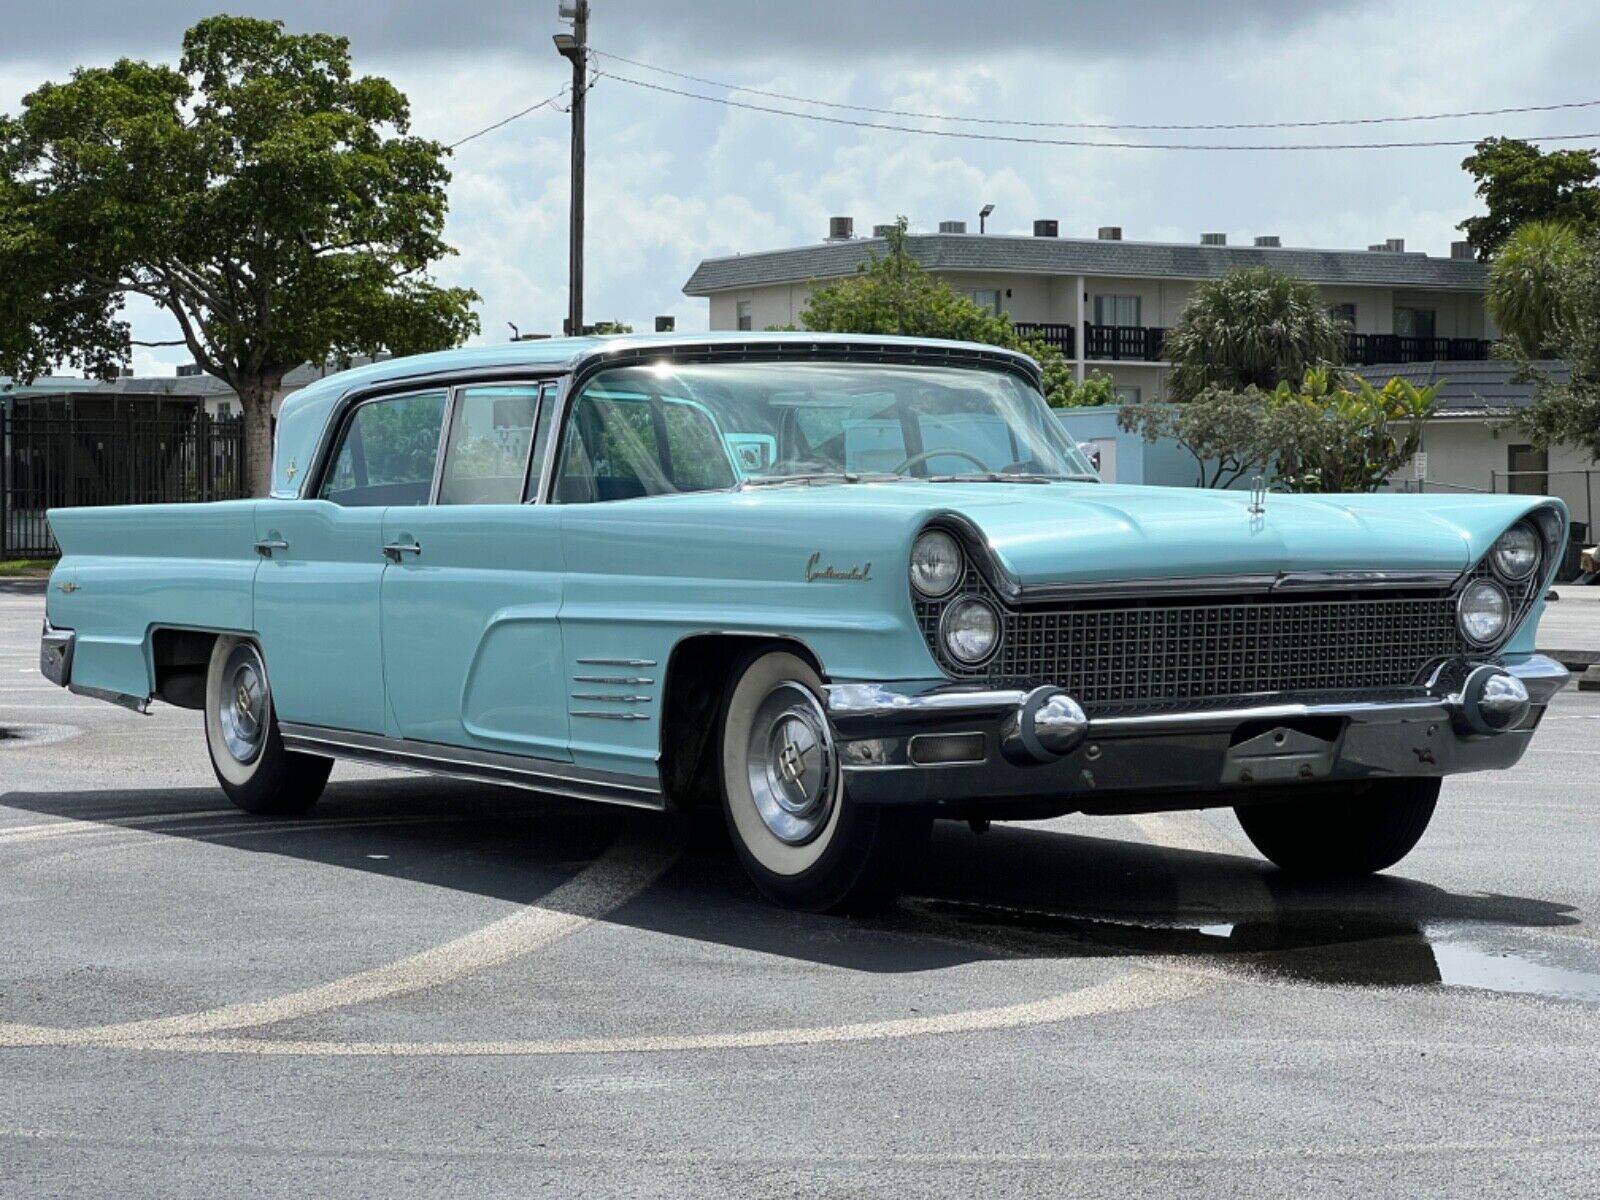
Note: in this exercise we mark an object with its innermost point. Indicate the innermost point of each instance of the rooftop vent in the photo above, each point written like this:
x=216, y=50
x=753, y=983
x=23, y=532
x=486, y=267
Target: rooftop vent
x=952, y=226
x=1047, y=228
x=841, y=229
x=1213, y=239
x=1267, y=240
x=1461, y=250
x=1390, y=246
x=1110, y=233
x=882, y=231
x=666, y=324
x=188, y=370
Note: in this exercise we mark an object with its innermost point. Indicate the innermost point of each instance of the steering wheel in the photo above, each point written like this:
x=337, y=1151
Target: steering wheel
x=918, y=459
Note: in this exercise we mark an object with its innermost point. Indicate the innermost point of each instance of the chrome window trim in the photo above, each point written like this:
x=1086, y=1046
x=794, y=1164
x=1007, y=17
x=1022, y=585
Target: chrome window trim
x=333, y=428
x=341, y=427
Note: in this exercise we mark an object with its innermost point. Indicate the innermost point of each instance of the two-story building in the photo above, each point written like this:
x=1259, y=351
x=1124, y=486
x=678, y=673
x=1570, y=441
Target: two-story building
x=1106, y=303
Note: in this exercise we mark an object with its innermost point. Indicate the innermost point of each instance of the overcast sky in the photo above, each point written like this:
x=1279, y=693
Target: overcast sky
x=674, y=180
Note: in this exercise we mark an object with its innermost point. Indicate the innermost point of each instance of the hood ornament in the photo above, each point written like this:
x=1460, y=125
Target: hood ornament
x=1258, y=496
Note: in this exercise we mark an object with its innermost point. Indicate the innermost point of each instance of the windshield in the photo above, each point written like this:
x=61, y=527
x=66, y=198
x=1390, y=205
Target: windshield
x=666, y=427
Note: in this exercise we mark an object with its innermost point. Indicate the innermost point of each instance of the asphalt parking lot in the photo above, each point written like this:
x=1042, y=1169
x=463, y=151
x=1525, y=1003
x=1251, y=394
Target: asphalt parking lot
x=431, y=988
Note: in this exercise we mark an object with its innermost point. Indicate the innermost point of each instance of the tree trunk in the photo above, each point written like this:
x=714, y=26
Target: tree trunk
x=255, y=400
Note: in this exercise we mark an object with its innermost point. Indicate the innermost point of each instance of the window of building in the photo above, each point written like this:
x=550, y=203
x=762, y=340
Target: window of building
x=486, y=456
x=988, y=298
x=742, y=313
x=1414, y=322
x=1527, y=459
x=388, y=452
x=1345, y=313
x=1125, y=394
x=1116, y=310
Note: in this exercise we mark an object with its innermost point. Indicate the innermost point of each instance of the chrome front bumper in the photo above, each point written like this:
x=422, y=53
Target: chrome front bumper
x=973, y=748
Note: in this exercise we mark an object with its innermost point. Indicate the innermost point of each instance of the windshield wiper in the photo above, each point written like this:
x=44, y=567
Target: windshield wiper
x=814, y=477
x=992, y=477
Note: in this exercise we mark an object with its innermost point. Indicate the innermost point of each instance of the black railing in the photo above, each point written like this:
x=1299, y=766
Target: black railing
x=52, y=458
x=1124, y=343
x=1366, y=349
x=1063, y=337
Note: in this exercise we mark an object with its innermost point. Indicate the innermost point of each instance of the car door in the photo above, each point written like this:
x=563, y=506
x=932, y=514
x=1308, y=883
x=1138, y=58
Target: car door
x=471, y=596
x=318, y=587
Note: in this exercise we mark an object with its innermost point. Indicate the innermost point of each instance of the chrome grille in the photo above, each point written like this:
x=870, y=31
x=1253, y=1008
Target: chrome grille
x=1124, y=654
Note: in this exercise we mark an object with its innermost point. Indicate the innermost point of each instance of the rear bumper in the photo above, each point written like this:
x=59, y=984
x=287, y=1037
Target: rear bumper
x=1014, y=747
x=55, y=654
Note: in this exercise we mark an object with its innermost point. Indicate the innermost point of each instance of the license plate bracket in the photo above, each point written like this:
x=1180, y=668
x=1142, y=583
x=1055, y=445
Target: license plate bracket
x=1280, y=755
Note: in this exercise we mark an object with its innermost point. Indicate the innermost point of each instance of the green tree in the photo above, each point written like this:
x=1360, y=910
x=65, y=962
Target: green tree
x=273, y=204
x=1519, y=183
x=1227, y=433
x=1254, y=327
x=1327, y=436
x=893, y=294
x=1528, y=285
x=1569, y=410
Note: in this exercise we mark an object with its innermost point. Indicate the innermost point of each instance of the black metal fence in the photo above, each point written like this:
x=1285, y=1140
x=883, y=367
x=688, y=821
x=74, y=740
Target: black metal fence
x=52, y=456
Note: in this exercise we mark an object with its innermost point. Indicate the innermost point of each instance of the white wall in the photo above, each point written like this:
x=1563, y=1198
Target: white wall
x=1466, y=452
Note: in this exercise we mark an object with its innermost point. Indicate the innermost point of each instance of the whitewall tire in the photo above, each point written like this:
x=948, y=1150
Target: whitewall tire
x=247, y=751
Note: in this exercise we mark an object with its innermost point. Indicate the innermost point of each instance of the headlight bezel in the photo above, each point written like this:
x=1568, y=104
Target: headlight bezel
x=929, y=536
x=1525, y=528
x=1499, y=634
x=947, y=618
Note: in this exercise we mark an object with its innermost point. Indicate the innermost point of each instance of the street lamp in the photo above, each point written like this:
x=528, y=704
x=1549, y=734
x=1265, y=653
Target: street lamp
x=983, y=217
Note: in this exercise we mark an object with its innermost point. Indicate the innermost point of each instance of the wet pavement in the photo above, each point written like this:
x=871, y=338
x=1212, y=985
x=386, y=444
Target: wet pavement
x=429, y=987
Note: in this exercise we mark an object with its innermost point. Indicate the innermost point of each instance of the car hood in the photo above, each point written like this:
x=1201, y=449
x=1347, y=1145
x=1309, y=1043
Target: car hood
x=1064, y=533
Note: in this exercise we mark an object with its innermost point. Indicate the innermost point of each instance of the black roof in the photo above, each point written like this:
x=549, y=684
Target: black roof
x=1469, y=389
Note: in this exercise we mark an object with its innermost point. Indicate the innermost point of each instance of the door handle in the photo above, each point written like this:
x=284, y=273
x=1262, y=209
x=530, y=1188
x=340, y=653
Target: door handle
x=265, y=548
x=394, y=550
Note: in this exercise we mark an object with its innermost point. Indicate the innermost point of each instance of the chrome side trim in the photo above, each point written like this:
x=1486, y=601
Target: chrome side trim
x=616, y=662
x=1238, y=585
x=482, y=766
x=619, y=680
x=598, y=715
x=613, y=698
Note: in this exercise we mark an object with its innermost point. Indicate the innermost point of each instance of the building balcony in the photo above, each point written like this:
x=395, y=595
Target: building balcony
x=1367, y=349
x=1063, y=337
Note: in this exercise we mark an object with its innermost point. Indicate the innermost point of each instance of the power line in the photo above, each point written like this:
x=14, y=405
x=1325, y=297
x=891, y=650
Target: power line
x=1083, y=142
x=900, y=112
x=516, y=116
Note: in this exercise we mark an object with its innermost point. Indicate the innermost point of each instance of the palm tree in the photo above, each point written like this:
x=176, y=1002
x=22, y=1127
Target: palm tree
x=1252, y=326
x=1527, y=293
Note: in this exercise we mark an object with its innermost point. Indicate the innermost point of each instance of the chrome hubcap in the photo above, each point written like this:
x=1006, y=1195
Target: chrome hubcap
x=791, y=764
x=243, y=714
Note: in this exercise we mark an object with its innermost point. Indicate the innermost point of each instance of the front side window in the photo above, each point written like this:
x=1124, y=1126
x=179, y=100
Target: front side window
x=663, y=428
x=387, y=453
x=486, y=457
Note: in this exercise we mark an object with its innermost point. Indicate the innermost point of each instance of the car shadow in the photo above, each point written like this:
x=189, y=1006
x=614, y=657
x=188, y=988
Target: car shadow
x=1015, y=891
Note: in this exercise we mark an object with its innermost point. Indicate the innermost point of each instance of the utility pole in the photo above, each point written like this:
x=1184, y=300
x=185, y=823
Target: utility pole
x=574, y=47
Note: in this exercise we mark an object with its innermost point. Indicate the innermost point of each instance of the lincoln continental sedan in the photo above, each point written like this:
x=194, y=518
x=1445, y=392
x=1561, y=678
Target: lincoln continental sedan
x=836, y=586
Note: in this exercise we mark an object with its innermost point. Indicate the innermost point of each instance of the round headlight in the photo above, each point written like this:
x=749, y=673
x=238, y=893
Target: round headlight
x=1516, y=554
x=971, y=631
x=1482, y=611
x=935, y=564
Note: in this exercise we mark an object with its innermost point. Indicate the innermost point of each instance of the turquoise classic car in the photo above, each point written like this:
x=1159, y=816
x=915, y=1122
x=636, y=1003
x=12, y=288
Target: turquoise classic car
x=837, y=586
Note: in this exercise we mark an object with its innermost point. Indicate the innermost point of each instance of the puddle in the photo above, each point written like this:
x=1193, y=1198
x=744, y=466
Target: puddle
x=1351, y=950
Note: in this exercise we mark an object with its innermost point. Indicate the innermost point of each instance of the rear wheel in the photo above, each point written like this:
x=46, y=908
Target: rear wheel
x=1366, y=832
x=247, y=751
x=800, y=838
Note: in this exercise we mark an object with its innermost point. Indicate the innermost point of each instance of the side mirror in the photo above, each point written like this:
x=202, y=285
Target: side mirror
x=1092, y=452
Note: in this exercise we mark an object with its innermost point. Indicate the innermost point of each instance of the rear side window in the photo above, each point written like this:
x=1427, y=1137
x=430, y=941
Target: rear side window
x=388, y=452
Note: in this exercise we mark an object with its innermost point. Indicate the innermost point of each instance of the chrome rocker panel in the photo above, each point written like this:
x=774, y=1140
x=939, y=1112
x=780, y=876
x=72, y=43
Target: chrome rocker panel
x=1126, y=762
x=545, y=776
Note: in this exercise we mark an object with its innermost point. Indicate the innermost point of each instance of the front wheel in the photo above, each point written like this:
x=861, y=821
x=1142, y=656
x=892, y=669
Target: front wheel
x=247, y=751
x=1359, y=835
x=802, y=841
